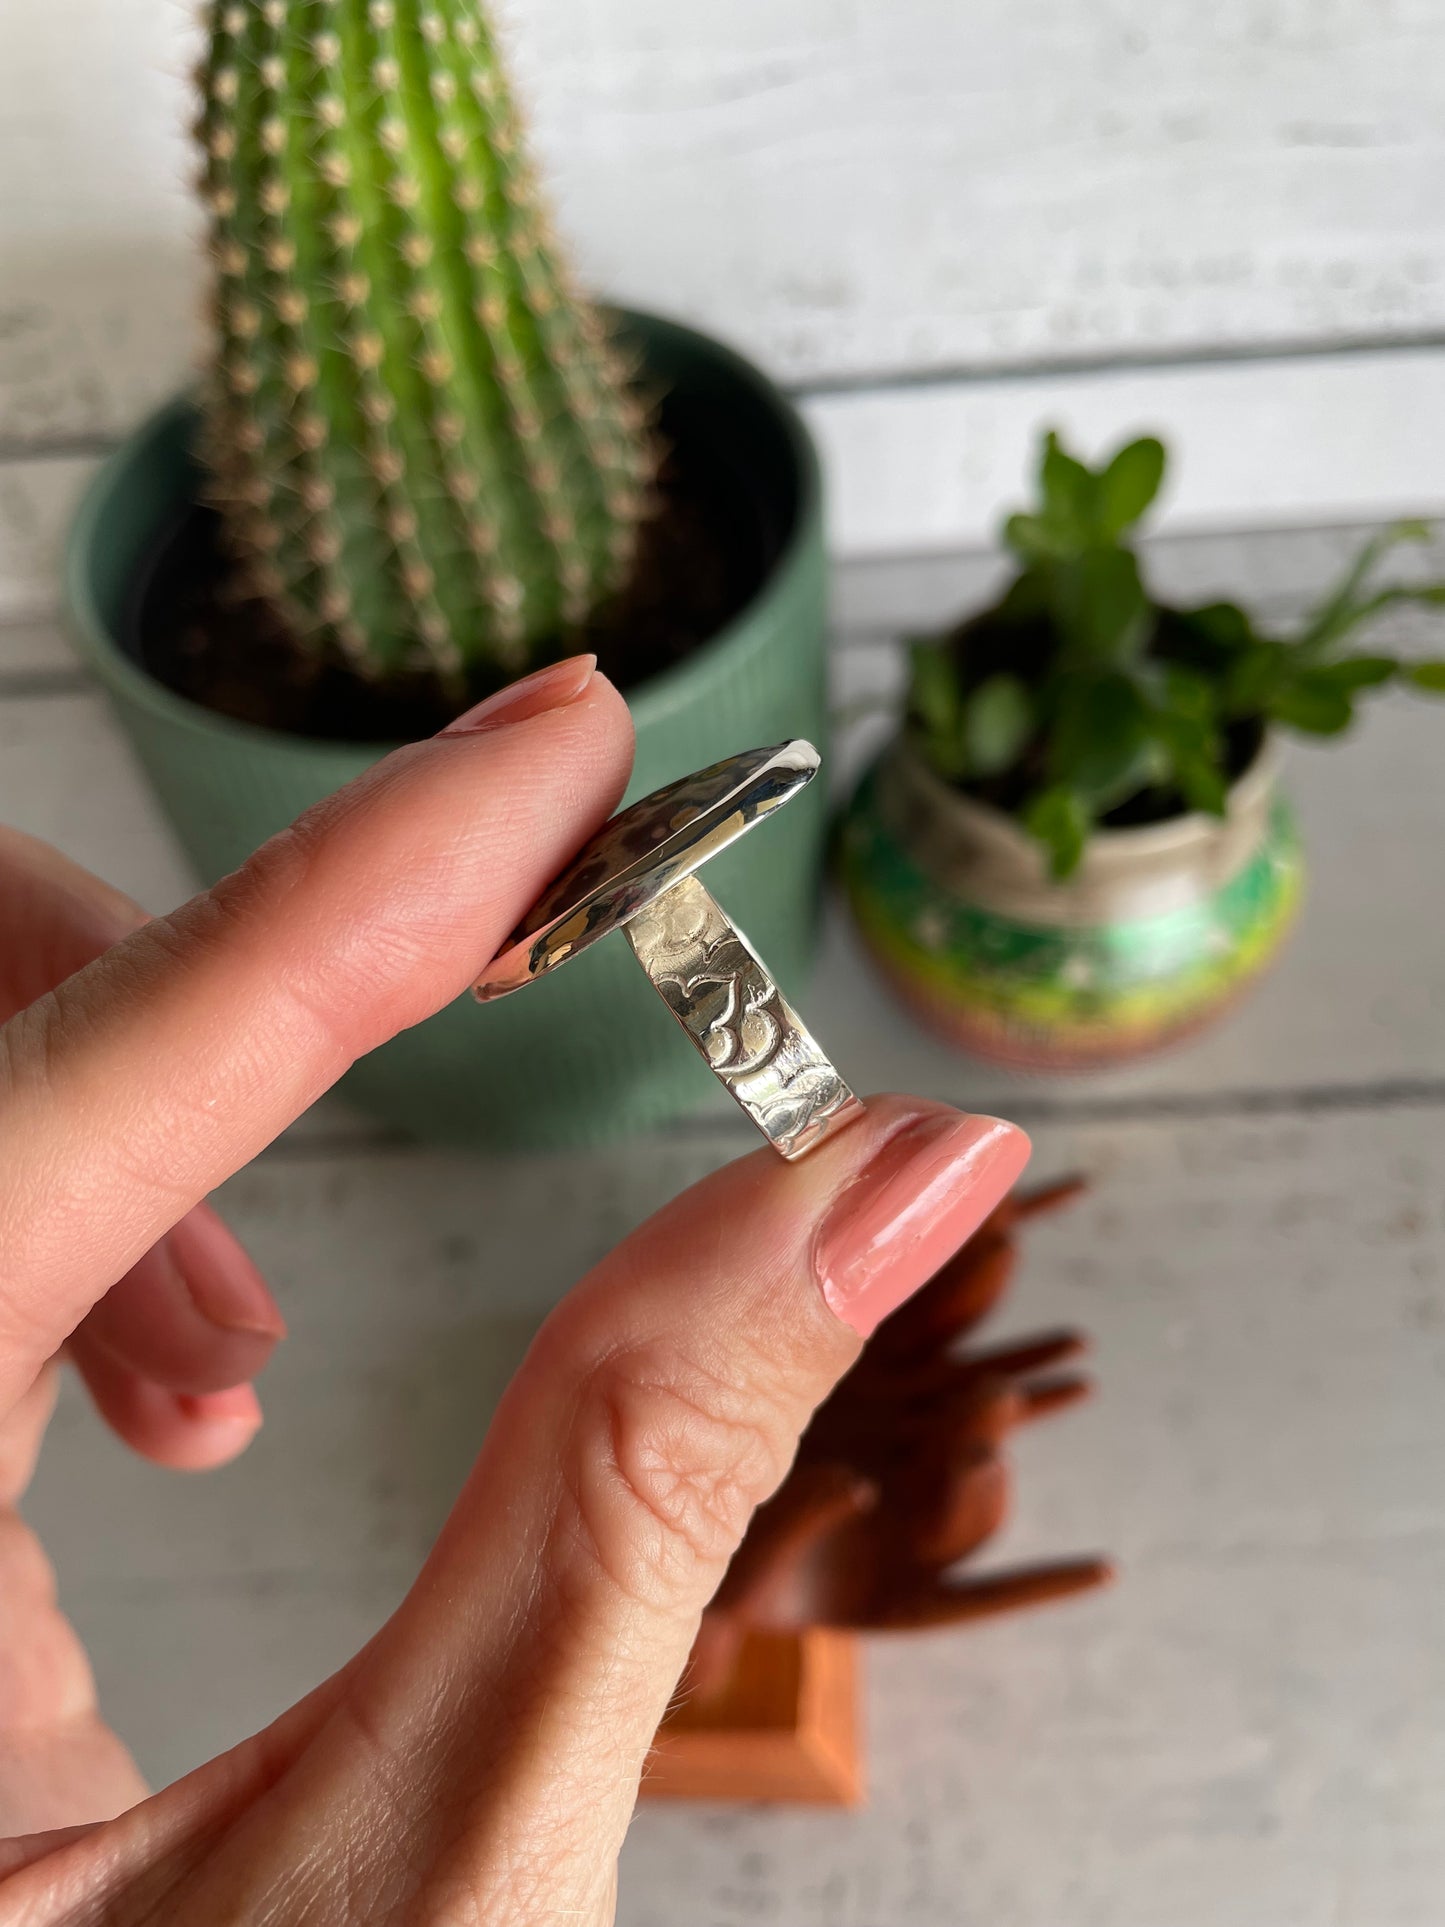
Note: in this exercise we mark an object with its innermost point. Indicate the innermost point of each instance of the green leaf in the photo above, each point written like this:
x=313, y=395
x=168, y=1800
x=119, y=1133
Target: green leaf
x=1202, y=785
x=1032, y=539
x=1253, y=678
x=1060, y=819
x=935, y=706
x=1185, y=692
x=1186, y=729
x=1429, y=676
x=1099, y=745
x=1026, y=597
x=1315, y=707
x=1068, y=490
x=1354, y=672
x=1129, y=484
x=1101, y=608
x=1335, y=613
x=933, y=690
x=998, y=720
x=1422, y=595
x=1225, y=625
x=1345, y=607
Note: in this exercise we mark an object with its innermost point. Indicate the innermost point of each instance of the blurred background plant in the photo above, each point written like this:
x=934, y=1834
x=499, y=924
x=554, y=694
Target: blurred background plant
x=1078, y=699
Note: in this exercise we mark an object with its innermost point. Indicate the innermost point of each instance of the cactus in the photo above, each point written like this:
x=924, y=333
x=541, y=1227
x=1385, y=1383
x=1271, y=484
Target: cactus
x=422, y=442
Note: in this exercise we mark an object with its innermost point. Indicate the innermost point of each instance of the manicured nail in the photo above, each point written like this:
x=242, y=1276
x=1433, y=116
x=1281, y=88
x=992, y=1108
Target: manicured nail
x=219, y=1278
x=237, y=1407
x=554, y=687
x=926, y=1192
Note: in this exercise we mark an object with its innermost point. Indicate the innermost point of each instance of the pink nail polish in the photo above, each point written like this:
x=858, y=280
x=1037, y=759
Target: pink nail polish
x=554, y=687
x=925, y=1194
x=219, y=1278
x=239, y=1406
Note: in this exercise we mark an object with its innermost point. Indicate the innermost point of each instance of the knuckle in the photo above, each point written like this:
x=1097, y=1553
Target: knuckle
x=239, y=902
x=671, y=1461
x=355, y=992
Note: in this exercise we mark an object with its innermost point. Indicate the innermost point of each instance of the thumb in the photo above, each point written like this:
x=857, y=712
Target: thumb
x=518, y=1689
x=480, y=1759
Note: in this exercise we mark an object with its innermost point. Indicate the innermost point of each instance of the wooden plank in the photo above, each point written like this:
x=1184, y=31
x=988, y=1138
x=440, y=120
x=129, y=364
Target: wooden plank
x=846, y=190
x=37, y=499
x=1275, y=572
x=1251, y=1710
x=1327, y=438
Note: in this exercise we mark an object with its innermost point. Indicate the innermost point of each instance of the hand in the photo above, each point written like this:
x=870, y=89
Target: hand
x=902, y=1472
x=478, y=1760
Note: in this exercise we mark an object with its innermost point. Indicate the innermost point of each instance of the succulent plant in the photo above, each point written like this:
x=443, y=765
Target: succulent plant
x=424, y=444
x=1077, y=695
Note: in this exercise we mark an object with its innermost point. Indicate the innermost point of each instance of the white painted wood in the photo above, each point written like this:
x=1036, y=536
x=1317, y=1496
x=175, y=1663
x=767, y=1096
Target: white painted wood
x=37, y=499
x=1332, y=438
x=1276, y=573
x=36, y=648
x=851, y=190
x=845, y=187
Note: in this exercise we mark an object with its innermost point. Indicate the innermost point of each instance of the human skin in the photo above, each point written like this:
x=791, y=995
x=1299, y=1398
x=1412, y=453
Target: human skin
x=478, y=1761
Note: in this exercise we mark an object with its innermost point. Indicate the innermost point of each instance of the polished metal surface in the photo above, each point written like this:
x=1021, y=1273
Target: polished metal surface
x=637, y=874
x=642, y=852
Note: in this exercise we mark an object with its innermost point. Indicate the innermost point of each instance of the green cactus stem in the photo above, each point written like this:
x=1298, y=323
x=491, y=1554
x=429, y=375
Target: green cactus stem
x=424, y=443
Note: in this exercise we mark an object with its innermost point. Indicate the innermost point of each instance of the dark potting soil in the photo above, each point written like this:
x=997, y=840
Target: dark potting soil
x=1011, y=792
x=702, y=558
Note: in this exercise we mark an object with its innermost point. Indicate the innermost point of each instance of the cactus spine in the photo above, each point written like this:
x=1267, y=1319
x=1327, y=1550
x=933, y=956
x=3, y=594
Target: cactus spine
x=421, y=439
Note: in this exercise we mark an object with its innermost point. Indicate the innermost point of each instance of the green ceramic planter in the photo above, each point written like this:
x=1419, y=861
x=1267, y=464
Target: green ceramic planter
x=1156, y=933
x=591, y=1052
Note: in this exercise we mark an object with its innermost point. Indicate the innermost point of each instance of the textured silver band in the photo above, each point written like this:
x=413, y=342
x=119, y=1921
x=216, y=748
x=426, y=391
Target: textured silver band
x=739, y=1020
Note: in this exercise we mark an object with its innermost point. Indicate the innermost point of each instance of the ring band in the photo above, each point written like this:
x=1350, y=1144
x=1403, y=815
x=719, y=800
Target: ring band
x=718, y=989
x=637, y=876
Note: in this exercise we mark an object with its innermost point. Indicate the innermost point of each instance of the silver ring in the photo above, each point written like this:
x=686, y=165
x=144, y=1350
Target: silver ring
x=637, y=875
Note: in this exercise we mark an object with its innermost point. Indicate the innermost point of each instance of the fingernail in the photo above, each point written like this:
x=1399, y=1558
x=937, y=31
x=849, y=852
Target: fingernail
x=926, y=1192
x=239, y=1407
x=554, y=687
x=220, y=1280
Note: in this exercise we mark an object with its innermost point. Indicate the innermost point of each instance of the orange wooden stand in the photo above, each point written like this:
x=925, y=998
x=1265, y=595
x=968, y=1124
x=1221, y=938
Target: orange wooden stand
x=786, y=1728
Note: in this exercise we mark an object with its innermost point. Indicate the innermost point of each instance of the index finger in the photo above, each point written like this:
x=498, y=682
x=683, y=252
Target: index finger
x=150, y=1076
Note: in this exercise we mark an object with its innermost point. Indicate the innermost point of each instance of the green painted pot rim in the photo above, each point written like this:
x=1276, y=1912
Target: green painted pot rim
x=981, y=854
x=1170, y=836
x=652, y=702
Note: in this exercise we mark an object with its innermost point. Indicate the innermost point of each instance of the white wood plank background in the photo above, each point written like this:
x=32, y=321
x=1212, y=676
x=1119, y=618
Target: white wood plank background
x=855, y=188
x=866, y=196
